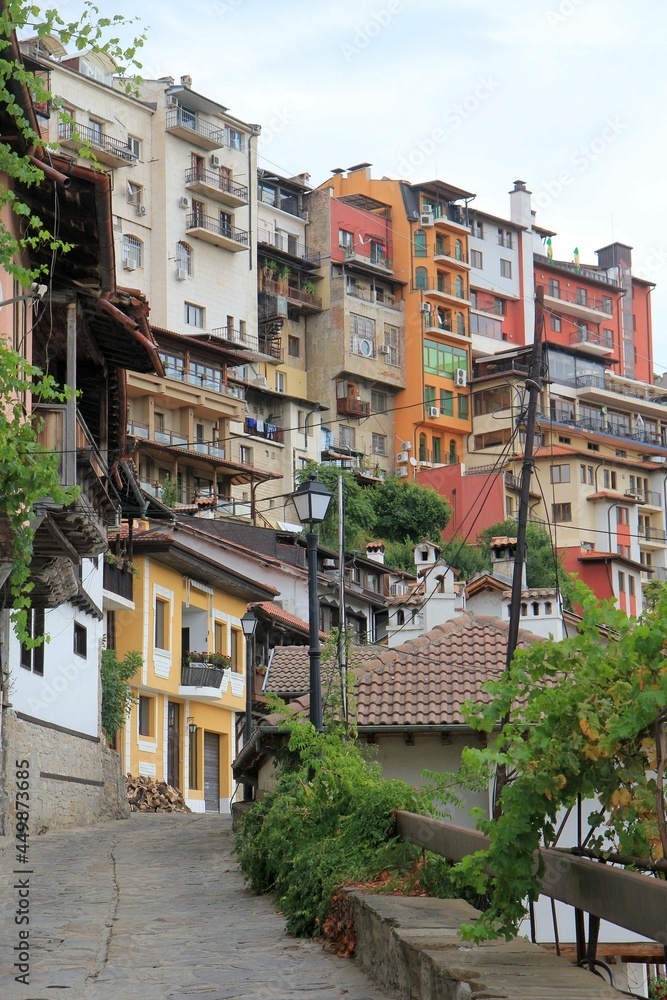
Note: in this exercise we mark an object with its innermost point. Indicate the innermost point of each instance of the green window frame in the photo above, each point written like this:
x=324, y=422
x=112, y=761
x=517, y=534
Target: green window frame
x=421, y=277
x=463, y=407
x=420, y=243
x=446, y=403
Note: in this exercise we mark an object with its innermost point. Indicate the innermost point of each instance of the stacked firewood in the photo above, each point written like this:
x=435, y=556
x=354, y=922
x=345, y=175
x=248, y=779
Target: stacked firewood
x=148, y=795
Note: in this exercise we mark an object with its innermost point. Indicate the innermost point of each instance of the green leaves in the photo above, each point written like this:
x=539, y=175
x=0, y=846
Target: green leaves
x=117, y=698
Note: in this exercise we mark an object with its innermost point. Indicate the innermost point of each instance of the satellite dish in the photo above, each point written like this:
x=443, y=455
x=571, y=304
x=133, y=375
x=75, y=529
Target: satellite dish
x=366, y=348
x=412, y=460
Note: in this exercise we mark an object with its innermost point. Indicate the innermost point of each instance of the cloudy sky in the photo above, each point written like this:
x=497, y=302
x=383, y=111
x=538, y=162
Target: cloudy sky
x=568, y=95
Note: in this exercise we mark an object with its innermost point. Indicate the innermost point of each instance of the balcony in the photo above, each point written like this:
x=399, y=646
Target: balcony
x=378, y=296
x=592, y=342
x=207, y=683
x=267, y=431
x=605, y=425
x=651, y=536
x=212, y=229
x=580, y=272
x=451, y=254
x=347, y=407
x=443, y=288
x=109, y=151
x=171, y=439
x=578, y=304
x=118, y=586
x=304, y=301
x=265, y=347
x=189, y=126
x=649, y=497
x=373, y=259
x=650, y=399
x=206, y=381
x=290, y=246
x=214, y=184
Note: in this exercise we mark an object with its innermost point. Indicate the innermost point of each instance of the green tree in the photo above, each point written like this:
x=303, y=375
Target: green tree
x=359, y=512
x=467, y=559
x=585, y=718
x=117, y=697
x=406, y=511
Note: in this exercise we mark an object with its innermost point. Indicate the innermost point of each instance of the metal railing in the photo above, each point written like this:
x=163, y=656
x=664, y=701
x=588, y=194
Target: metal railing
x=582, y=272
x=197, y=220
x=584, y=336
x=290, y=292
x=205, y=382
x=651, y=534
x=443, y=285
x=174, y=440
x=214, y=179
x=201, y=676
x=182, y=118
x=605, y=425
x=370, y=258
x=579, y=299
x=352, y=408
x=290, y=245
x=648, y=496
x=118, y=581
x=452, y=252
x=620, y=388
x=269, y=432
x=95, y=138
x=371, y=295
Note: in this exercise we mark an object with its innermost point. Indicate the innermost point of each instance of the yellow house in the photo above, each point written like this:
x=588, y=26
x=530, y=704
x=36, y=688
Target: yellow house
x=183, y=726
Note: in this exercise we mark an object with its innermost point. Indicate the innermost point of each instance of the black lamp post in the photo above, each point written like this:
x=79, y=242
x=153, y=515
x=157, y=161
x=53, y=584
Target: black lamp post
x=248, y=624
x=311, y=501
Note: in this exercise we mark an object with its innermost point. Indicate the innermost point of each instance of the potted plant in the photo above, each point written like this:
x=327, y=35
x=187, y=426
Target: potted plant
x=657, y=988
x=207, y=659
x=308, y=286
x=284, y=274
x=121, y=562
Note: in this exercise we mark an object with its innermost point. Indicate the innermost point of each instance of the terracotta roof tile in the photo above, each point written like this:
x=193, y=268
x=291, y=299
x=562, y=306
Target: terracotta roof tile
x=289, y=672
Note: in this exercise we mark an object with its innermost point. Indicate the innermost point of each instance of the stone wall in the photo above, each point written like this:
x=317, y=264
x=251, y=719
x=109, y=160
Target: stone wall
x=75, y=780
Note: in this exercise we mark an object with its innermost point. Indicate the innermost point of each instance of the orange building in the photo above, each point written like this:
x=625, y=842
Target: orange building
x=429, y=232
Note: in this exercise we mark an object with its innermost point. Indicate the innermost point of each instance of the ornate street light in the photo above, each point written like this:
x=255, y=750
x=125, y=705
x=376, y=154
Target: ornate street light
x=249, y=625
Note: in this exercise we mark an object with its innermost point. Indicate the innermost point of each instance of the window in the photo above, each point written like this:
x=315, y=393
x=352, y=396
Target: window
x=267, y=194
x=134, y=146
x=245, y=455
x=161, y=622
x=80, y=640
x=421, y=277
x=33, y=659
x=429, y=395
x=477, y=259
x=609, y=479
x=392, y=342
x=491, y=400
x=234, y=138
x=446, y=403
x=492, y=438
x=505, y=268
x=226, y=224
x=362, y=335
x=606, y=304
x=293, y=347
x=346, y=437
x=554, y=288
x=554, y=323
x=586, y=474
x=436, y=446
x=423, y=453
x=345, y=239
x=505, y=238
x=193, y=769
x=420, y=243
x=621, y=582
x=145, y=713
x=560, y=473
x=194, y=315
x=378, y=401
x=459, y=287
x=135, y=194
x=622, y=515
x=561, y=512
x=593, y=447
x=132, y=251
x=184, y=258
x=453, y=457
x=463, y=407
x=198, y=214
x=499, y=307
x=631, y=585
x=95, y=131
x=477, y=229
x=441, y=359
x=458, y=250
x=219, y=638
x=379, y=444
x=281, y=382
x=582, y=298
x=235, y=649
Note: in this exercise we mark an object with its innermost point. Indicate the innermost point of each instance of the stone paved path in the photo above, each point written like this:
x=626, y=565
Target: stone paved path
x=155, y=908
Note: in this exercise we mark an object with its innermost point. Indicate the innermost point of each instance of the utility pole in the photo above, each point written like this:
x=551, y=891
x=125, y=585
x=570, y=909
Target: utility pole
x=342, y=618
x=534, y=387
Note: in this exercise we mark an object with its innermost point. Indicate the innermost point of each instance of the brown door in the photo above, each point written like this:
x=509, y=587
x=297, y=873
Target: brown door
x=212, y=772
x=198, y=166
x=173, y=744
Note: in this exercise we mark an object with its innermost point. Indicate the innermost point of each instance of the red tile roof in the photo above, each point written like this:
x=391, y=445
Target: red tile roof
x=280, y=615
x=613, y=495
x=289, y=673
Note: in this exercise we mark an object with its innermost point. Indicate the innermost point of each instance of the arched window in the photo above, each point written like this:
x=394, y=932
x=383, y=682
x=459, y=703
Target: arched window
x=184, y=258
x=452, y=452
x=536, y=608
x=458, y=250
x=459, y=287
x=420, y=243
x=421, y=277
x=133, y=252
x=400, y=617
x=460, y=324
x=548, y=608
x=524, y=610
x=422, y=447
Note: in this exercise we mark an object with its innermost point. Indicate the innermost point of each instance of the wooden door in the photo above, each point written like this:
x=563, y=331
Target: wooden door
x=212, y=772
x=173, y=744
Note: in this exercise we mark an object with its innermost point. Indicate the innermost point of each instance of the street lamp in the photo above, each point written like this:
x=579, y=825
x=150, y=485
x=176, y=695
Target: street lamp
x=311, y=501
x=248, y=624
x=192, y=726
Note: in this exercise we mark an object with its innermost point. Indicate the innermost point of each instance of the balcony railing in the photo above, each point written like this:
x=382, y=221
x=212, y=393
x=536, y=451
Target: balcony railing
x=205, y=381
x=651, y=534
x=621, y=388
x=214, y=179
x=291, y=293
x=651, y=497
x=443, y=285
x=174, y=440
x=582, y=272
x=453, y=252
x=371, y=258
x=200, y=675
x=270, y=432
x=213, y=224
x=587, y=301
x=367, y=294
x=513, y=482
x=602, y=425
x=582, y=335
x=72, y=131
x=346, y=407
x=118, y=581
x=290, y=245
x=182, y=118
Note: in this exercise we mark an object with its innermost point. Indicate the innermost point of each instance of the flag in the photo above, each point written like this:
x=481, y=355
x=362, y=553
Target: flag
x=550, y=249
x=576, y=257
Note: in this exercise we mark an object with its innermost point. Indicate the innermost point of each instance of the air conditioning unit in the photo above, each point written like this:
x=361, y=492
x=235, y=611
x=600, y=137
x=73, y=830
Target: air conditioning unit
x=433, y=411
x=261, y=380
x=215, y=160
x=384, y=349
x=184, y=202
x=402, y=456
x=406, y=445
x=181, y=273
x=141, y=209
x=427, y=219
x=329, y=564
x=129, y=264
x=401, y=472
x=425, y=307
x=460, y=377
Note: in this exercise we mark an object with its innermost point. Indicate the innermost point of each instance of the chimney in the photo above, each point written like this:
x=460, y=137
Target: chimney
x=186, y=81
x=375, y=552
x=503, y=550
x=520, y=211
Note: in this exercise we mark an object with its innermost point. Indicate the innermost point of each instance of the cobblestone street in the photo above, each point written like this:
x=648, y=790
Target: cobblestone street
x=155, y=907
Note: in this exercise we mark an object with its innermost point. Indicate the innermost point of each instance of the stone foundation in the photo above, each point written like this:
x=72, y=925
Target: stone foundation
x=75, y=780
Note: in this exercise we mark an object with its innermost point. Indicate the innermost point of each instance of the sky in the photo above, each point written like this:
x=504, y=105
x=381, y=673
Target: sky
x=567, y=95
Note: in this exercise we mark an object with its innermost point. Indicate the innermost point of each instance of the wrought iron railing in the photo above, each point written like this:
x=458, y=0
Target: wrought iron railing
x=96, y=139
x=215, y=179
x=213, y=224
